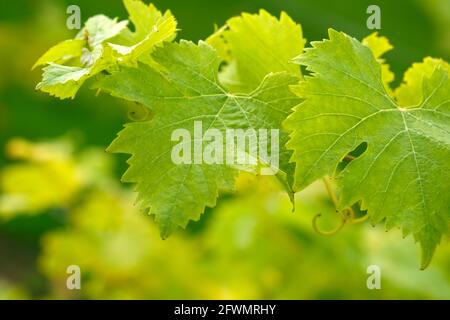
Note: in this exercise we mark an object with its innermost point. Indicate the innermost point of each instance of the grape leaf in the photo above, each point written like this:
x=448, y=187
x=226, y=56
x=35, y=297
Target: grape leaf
x=409, y=93
x=255, y=45
x=181, y=89
x=404, y=174
x=379, y=46
x=145, y=18
x=151, y=28
x=62, y=52
x=64, y=81
x=100, y=28
x=102, y=43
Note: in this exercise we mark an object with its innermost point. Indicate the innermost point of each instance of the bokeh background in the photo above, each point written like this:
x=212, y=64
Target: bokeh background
x=61, y=202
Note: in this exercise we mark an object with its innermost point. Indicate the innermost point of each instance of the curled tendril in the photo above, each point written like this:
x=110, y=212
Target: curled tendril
x=331, y=232
x=347, y=216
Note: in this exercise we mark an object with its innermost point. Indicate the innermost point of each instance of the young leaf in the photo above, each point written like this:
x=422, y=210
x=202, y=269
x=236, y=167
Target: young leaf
x=65, y=81
x=151, y=28
x=145, y=18
x=409, y=93
x=255, y=45
x=100, y=28
x=404, y=174
x=102, y=43
x=62, y=52
x=379, y=46
x=182, y=90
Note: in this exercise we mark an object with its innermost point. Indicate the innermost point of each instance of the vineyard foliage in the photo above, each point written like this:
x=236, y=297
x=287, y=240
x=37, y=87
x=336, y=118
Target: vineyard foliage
x=339, y=116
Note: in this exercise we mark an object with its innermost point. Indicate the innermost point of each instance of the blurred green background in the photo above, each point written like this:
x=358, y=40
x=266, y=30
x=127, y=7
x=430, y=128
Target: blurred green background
x=61, y=202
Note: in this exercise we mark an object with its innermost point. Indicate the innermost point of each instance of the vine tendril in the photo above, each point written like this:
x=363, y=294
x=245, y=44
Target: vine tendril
x=347, y=215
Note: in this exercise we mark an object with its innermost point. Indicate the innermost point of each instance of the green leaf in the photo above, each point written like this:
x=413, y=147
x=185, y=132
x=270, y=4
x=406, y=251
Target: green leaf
x=151, y=28
x=101, y=44
x=65, y=81
x=404, y=174
x=62, y=52
x=379, y=46
x=218, y=42
x=144, y=17
x=255, y=45
x=62, y=81
x=100, y=28
x=409, y=93
x=164, y=30
x=185, y=89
